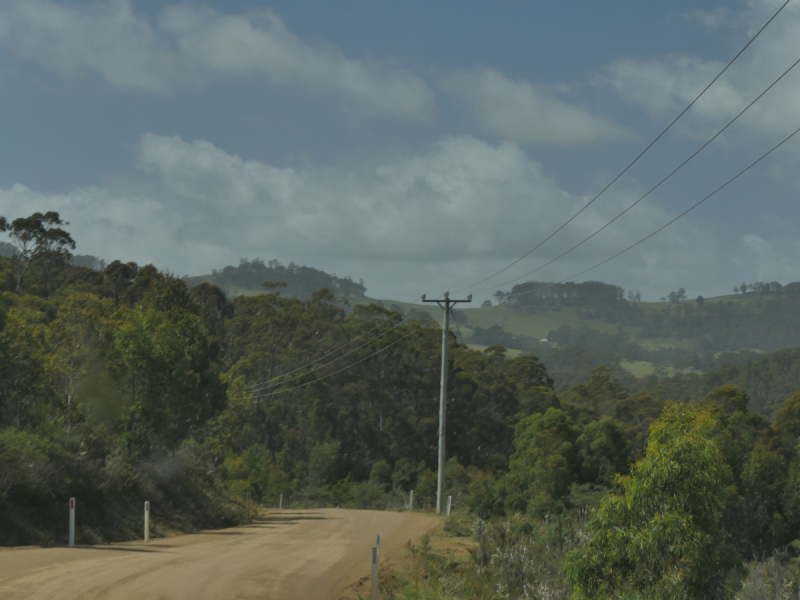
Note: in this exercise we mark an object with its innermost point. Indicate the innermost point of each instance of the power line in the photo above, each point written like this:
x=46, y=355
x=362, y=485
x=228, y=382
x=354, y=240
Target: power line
x=266, y=383
x=370, y=405
x=260, y=386
x=255, y=385
x=342, y=369
x=688, y=210
x=652, y=189
x=621, y=252
x=635, y=160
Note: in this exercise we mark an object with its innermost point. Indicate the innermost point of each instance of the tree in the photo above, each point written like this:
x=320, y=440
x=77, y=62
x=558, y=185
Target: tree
x=787, y=425
x=544, y=464
x=604, y=451
x=598, y=398
x=167, y=384
x=659, y=539
x=533, y=385
x=120, y=277
x=41, y=245
x=764, y=481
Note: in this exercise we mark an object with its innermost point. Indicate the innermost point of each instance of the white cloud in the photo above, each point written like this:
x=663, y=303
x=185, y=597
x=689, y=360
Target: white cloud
x=105, y=40
x=721, y=17
x=192, y=46
x=412, y=208
x=663, y=86
x=519, y=111
x=440, y=219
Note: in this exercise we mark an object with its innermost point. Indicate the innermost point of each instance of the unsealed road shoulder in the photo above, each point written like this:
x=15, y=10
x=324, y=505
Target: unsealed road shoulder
x=282, y=555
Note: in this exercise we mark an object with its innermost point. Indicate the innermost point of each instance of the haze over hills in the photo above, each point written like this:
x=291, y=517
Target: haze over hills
x=125, y=385
x=249, y=276
x=574, y=327
x=679, y=348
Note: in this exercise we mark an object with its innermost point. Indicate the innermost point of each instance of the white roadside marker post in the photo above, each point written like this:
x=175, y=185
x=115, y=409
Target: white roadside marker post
x=72, y=522
x=147, y=521
x=449, y=499
x=280, y=502
x=411, y=500
x=374, y=590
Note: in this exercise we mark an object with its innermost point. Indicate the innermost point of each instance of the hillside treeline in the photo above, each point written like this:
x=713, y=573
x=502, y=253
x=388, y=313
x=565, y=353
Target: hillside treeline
x=682, y=495
x=297, y=280
x=764, y=317
x=768, y=380
x=125, y=385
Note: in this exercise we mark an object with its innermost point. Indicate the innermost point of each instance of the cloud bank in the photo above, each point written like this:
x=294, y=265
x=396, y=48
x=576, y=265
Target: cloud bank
x=517, y=110
x=192, y=46
x=425, y=222
x=662, y=86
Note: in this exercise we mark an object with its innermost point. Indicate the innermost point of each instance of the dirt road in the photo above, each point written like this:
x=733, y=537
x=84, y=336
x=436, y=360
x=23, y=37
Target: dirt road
x=284, y=555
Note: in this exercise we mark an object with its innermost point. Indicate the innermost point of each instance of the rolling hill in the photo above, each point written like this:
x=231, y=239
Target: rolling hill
x=576, y=327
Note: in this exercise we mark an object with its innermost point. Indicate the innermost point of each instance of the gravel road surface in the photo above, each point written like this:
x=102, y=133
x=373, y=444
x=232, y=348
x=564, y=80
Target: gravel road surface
x=283, y=555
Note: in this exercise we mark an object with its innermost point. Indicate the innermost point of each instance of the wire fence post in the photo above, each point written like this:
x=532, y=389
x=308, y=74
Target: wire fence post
x=280, y=502
x=72, y=522
x=449, y=500
x=411, y=500
x=147, y=521
x=247, y=504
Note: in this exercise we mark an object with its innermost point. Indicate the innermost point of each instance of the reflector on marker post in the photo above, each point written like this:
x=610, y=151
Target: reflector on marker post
x=146, y=521
x=72, y=522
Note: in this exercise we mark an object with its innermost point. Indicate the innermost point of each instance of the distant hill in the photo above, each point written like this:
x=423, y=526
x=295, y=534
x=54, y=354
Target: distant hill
x=575, y=327
x=247, y=279
x=769, y=381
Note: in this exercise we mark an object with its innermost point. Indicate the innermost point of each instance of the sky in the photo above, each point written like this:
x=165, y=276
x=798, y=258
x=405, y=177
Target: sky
x=419, y=146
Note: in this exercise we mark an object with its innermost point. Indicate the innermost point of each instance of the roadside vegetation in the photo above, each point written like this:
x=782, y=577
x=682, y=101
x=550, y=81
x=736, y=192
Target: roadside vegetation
x=121, y=384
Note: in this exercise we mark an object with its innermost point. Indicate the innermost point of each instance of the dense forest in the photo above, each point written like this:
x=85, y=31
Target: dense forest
x=768, y=380
x=125, y=384
x=120, y=383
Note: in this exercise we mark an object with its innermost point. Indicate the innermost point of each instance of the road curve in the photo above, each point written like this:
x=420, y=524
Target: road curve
x=283, y=555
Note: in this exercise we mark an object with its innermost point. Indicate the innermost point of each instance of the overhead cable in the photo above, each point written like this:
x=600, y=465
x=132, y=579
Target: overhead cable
x=652, y=189
x=381, y=322
x=350, y=366
x=688, y=210
x=260, y=386
x=265, y=384
x=634, y=161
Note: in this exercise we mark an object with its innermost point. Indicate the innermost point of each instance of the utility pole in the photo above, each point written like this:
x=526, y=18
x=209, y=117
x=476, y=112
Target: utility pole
x=445, y=304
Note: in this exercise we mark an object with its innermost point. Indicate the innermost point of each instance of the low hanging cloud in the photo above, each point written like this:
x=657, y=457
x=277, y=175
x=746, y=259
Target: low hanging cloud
x=445, y=217
x=412, y=208
x=519, y=111
x=662, y=86
x=191, y=46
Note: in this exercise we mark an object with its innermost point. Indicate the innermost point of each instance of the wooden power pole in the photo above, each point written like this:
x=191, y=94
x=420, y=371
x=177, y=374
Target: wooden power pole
x=446, y=304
